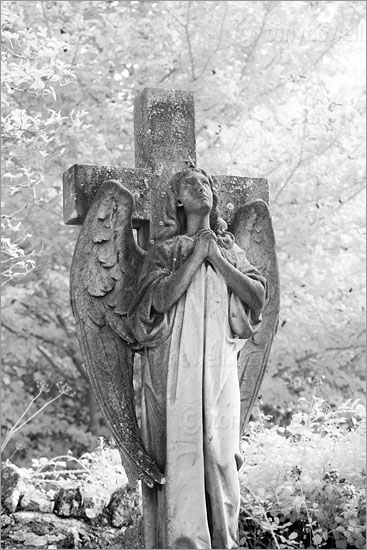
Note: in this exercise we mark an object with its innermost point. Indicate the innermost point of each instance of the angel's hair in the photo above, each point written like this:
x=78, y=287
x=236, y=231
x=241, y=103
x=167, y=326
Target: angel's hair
x=174, y=218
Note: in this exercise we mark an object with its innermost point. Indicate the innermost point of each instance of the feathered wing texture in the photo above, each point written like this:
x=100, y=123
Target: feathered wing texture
x=254, y=234
x=104, y=273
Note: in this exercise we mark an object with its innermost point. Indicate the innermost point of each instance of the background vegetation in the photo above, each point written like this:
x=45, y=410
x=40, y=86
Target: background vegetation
x=279, y=94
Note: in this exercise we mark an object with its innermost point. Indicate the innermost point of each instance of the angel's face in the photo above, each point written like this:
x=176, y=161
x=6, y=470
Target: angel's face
x=195, y=194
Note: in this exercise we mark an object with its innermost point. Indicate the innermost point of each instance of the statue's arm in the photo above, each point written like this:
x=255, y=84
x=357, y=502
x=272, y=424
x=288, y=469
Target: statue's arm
x=249, y=290
x=171, y=288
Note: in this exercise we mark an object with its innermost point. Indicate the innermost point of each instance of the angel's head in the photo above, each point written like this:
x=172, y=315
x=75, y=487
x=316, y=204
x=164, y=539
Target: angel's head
x=175, y=209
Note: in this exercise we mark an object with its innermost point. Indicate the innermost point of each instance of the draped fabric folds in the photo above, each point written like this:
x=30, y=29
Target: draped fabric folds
x=190, y=401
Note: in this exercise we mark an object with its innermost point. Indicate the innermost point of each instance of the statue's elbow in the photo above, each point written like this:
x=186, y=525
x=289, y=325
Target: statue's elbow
x=158, y=305
x=161, y=302
x=260, y=299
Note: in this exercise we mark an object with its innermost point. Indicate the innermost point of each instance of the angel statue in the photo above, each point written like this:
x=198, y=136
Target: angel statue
x=201, y=306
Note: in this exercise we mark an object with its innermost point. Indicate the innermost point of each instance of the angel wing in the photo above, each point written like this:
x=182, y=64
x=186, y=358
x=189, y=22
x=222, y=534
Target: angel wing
x=254, y=233
x=104, y=273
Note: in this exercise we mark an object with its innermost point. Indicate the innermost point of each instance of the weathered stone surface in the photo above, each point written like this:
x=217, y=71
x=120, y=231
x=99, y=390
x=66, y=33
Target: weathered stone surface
x=164, y=130
x=38, y=530
x=164, y=123
x=123, y=507
x=6, y=520
x=236, y=191
x=34, y=500
x=177, y=514
x=12, y=485
x=81, y=183
x=68, y=502
x=95, y=500
x=133, y=536
x=31, y=540
x=86, y=520
x=87, y=501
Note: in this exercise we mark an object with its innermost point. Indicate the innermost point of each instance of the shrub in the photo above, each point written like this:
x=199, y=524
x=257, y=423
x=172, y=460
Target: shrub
x=303, y=486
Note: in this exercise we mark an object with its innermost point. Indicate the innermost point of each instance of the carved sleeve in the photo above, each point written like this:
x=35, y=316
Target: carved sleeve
x=243, y=320
x=149, y=326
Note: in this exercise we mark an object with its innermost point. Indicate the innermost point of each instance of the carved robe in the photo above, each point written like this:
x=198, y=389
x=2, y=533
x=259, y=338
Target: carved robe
x=190, y=398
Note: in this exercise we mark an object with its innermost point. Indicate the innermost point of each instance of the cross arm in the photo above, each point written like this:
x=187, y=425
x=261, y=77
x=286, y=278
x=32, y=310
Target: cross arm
x=81, y=183
x=236, y=191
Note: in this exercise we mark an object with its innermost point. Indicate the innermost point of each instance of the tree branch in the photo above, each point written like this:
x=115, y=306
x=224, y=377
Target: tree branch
x=219, y=40
x=255, y=42
x=345, y=201
x=9, y=328
x=68, y=350
x=300, y=155
x=314, y=354
x=189, y=45
x=167, y=75
x=49, y=358
x=46, y=18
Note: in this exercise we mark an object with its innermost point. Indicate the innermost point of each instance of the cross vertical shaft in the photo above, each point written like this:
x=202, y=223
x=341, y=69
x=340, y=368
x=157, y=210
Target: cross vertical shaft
x=164, y=132
x=164, y=128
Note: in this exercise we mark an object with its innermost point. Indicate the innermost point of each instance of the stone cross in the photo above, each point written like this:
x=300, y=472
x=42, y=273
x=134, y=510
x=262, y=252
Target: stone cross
x=164, y=129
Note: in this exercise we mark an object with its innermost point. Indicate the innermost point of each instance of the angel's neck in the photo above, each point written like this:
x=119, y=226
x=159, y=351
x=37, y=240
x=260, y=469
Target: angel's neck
x=194, y=224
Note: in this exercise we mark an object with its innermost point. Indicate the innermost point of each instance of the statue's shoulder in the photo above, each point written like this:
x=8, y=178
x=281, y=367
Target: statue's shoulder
x=238, y=250
x=164, y=245
x=177, y=241
x=161, y=251
x=232, y=251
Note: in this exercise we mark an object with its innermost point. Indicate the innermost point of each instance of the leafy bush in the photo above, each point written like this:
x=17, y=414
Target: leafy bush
x=36, y=432
x=303, y=486
x=100, y=469
x=68, y=91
